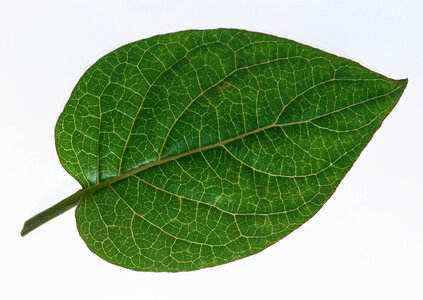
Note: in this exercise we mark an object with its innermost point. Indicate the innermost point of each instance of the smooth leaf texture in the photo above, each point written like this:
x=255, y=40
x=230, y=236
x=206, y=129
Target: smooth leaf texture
x=212, y=145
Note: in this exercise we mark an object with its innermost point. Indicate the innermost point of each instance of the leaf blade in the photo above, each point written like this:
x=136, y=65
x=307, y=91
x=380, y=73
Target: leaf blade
x=227, y=151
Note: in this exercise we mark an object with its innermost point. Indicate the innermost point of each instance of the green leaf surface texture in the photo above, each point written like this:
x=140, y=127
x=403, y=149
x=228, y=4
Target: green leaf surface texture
x=212, y=144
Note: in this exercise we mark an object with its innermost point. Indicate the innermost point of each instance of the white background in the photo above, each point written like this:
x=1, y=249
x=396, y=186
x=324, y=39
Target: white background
x=366, y=242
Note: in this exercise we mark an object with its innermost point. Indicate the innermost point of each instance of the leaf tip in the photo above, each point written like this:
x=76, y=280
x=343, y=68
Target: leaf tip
x=403, y=84
x=404, y=81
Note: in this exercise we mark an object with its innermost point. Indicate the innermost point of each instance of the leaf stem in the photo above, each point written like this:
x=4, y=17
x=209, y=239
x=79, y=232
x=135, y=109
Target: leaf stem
x=52, y=212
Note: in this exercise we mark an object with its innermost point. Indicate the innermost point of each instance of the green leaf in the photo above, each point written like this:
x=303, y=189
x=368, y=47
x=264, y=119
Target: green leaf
x=198, y=148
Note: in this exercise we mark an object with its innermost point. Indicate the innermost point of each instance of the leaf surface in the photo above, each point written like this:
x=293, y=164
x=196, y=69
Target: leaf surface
x=212, y=145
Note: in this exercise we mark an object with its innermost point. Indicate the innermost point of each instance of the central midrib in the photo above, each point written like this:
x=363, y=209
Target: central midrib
x=94, y=188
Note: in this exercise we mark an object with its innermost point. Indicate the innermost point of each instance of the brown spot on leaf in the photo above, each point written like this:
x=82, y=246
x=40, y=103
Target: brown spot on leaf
x=226, y=85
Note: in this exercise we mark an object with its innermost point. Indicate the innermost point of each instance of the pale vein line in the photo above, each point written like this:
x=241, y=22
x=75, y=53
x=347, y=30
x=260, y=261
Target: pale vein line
x=236, y=214
x=148, y=90
x=349, y=130
x=156, y=226
x=322, y=83
x=72, y=148
x=285, y=176
x=299, y=146
x=339, y=109
x=107, y=229
x=211, y=87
